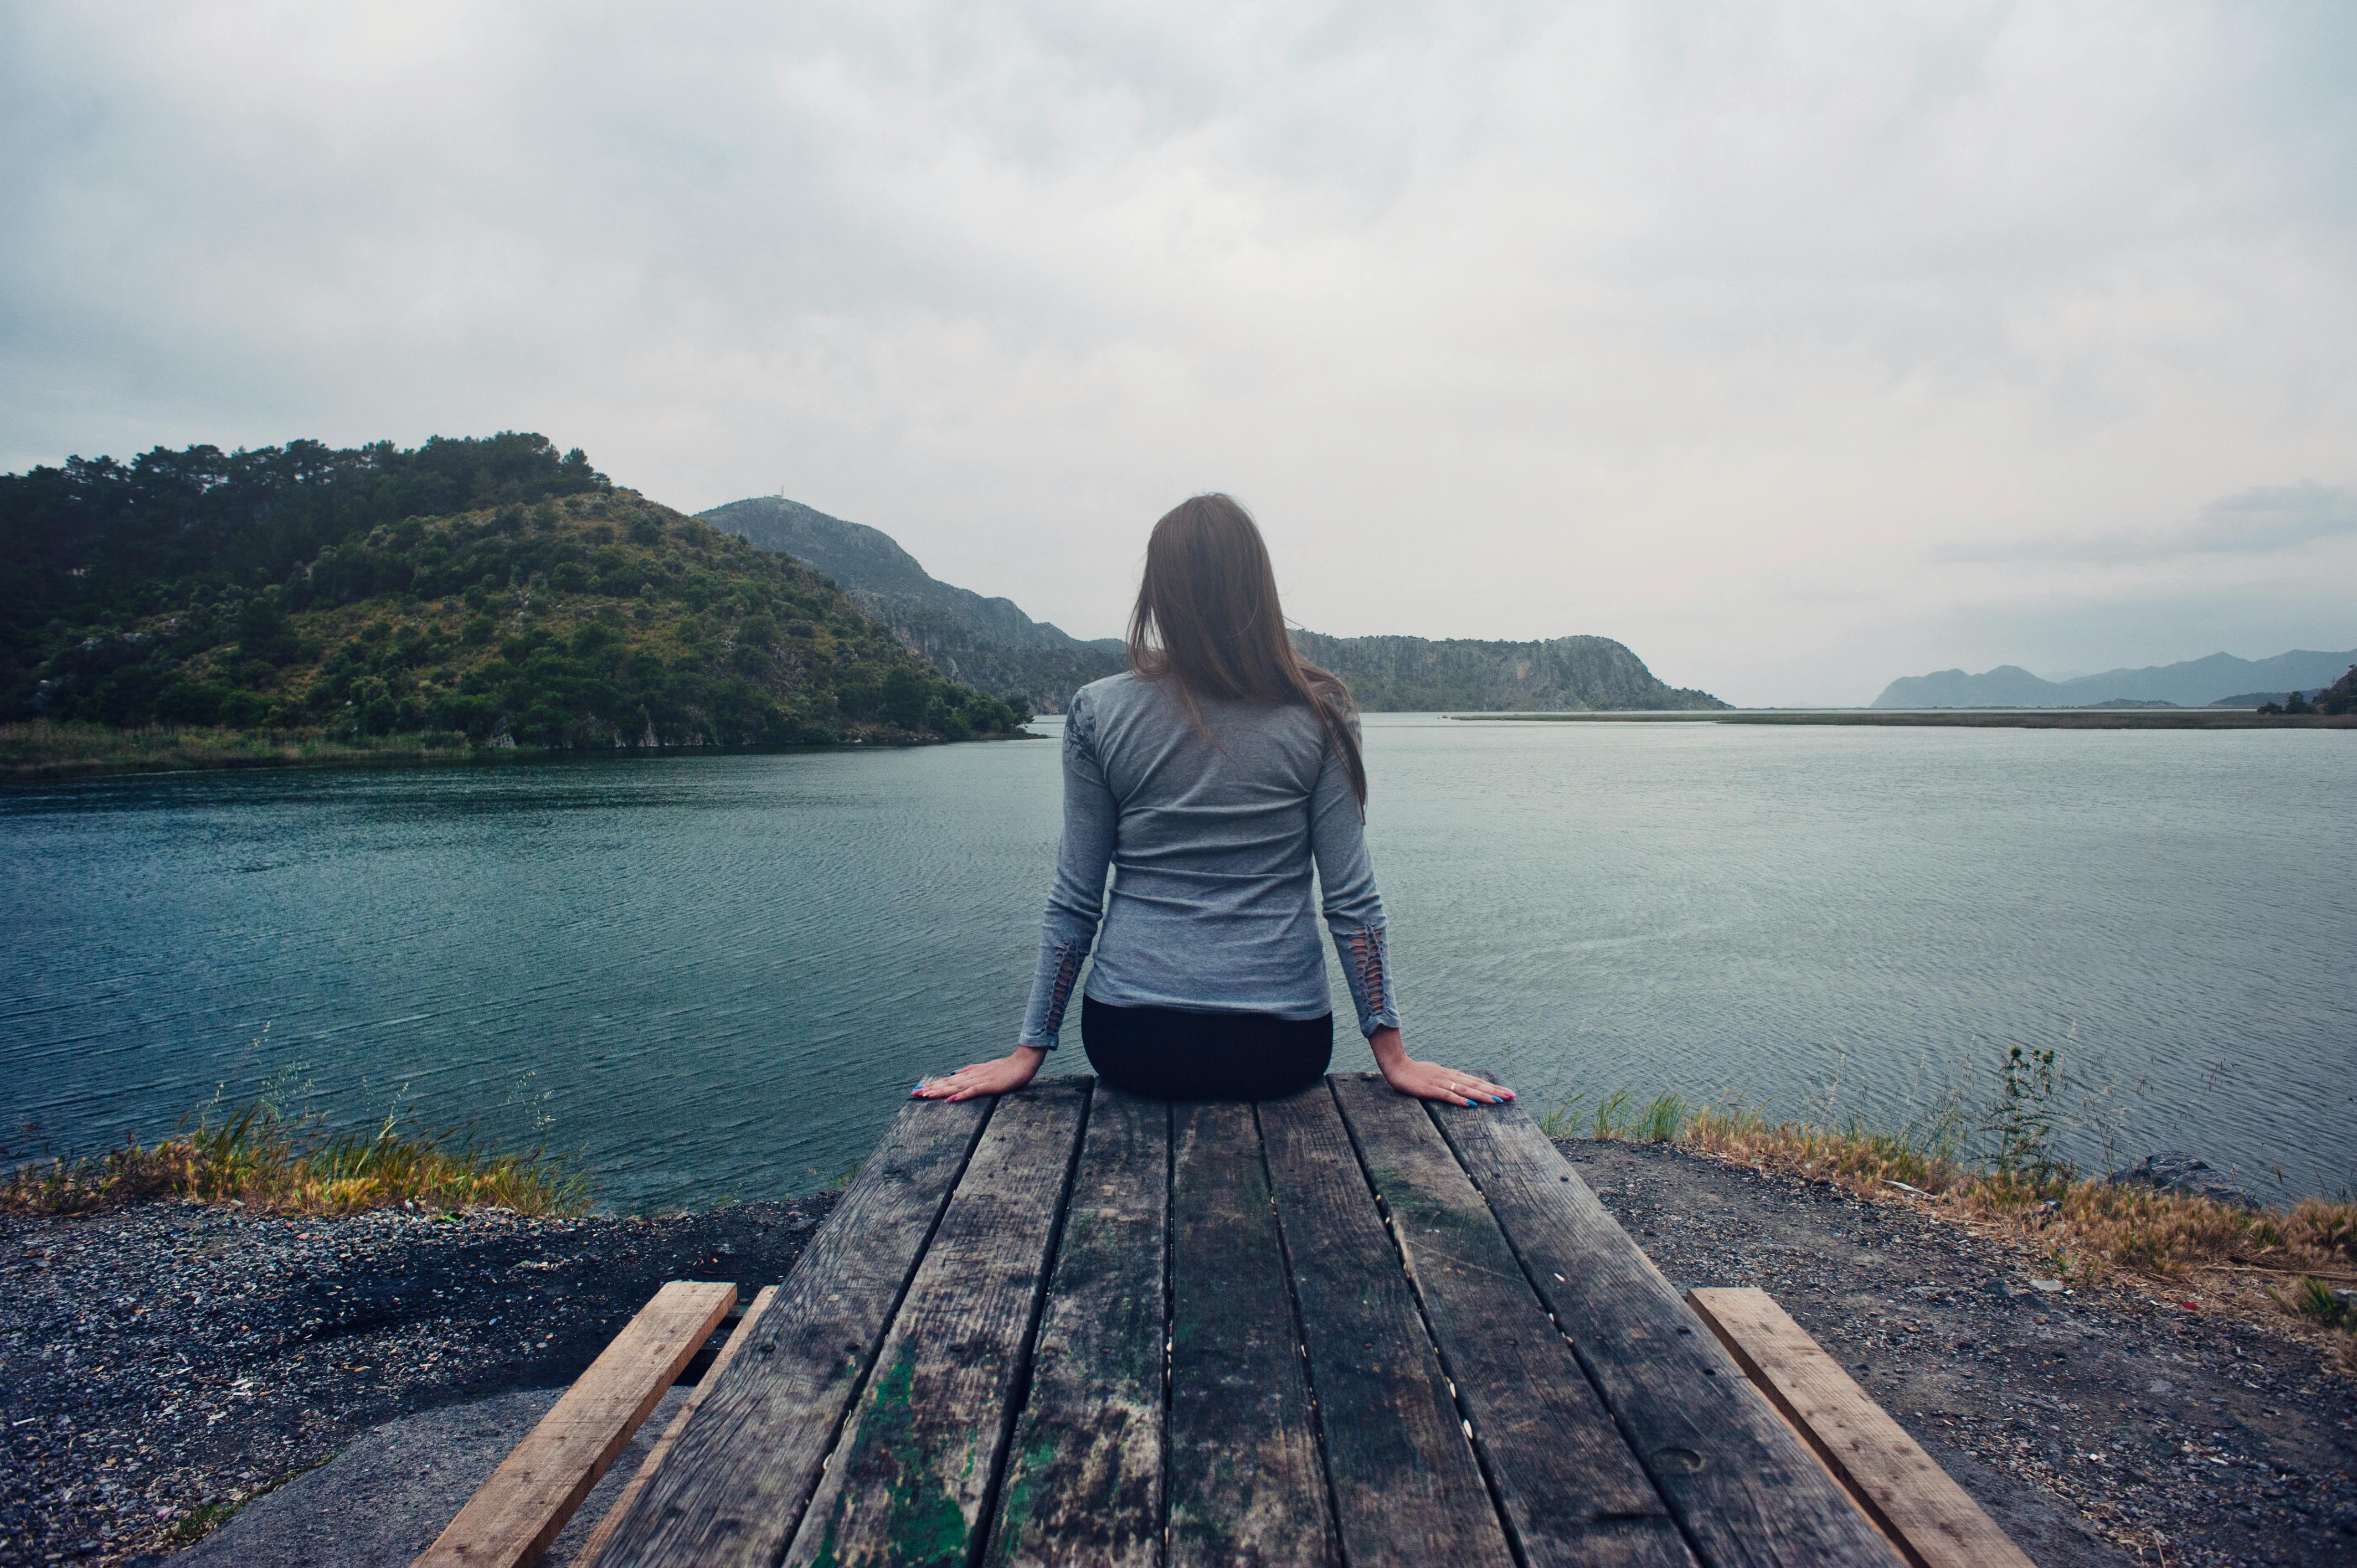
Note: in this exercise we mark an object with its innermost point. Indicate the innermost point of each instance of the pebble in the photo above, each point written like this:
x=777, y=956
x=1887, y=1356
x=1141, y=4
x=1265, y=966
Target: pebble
x=161, y=1364
x=2097, y=1424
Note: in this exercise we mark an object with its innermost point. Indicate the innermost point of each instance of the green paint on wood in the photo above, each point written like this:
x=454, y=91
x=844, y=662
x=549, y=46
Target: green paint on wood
x=924, y=1522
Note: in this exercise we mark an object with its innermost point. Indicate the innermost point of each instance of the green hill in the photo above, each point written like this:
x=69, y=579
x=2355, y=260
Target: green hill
x=487, y=591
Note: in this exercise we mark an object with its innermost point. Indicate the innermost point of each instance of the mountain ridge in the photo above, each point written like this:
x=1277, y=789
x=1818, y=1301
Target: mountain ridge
x=2191, y=683
x=993, y=644
x=988, y=641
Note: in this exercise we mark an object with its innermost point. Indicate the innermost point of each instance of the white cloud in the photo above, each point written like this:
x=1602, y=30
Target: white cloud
x=1706, y=326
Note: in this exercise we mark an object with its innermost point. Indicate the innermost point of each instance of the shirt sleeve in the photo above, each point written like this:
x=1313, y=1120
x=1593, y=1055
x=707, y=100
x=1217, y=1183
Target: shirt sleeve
x=1355, y=910
x=1076, y=902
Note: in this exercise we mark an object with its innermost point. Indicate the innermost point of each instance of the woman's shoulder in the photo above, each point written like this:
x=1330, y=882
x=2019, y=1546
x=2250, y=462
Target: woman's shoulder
x=1110, y=694
x=1095, y=702
x=1112, y=689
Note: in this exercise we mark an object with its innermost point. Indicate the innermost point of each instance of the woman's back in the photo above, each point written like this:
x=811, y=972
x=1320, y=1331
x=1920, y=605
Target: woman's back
x=1209, y=830
x=1212, y=781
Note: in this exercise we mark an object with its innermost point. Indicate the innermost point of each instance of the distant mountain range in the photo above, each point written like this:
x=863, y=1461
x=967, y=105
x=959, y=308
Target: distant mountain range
x=992, y=644
x=2196, y=682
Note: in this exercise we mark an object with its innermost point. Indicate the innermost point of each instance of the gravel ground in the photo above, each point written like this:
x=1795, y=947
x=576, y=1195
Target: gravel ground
x=161, y=1364
x=2111, y=1427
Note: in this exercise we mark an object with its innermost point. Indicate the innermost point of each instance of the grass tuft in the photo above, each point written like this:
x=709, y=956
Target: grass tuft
x=261, y=1159
x=2086, y=1227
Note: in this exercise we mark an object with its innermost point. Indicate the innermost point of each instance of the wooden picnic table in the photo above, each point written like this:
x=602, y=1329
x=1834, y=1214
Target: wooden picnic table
x=1075, y=1326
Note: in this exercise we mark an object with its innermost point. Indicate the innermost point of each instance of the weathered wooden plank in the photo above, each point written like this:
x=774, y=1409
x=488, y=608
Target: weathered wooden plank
x=1743, y=1489
x=661, y=1448
x=739, y=1476
x=513, y=1516
x=1572, y=1491
x=1084, y=1476
x=1935, y=1521
x=1246, y=1487
x=1407, y=1489
x=911, y=1482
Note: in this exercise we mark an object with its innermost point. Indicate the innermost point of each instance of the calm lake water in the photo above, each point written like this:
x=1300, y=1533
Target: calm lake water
x=716, y=976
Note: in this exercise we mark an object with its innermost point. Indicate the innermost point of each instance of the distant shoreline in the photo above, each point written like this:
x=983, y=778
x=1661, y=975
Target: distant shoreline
x=44, y=753
x=1959, y=719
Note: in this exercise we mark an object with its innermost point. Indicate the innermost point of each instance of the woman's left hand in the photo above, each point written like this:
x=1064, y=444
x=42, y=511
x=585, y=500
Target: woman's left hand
x=1008, y=1073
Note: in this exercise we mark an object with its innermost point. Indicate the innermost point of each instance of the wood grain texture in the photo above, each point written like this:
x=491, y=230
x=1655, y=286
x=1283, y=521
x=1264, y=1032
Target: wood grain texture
x=1744, y=1489
x=1246, y=1486
x=911, y=1482
x=1572, y=1491
x=661, y=1448
x=1407, y=1489
x=1935, y=1522
x=736, y=1481
x=513, y=1516
x=1084, y=1476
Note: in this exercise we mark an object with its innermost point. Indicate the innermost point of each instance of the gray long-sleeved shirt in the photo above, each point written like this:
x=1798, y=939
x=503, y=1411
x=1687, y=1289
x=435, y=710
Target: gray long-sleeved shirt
x=1212, y=846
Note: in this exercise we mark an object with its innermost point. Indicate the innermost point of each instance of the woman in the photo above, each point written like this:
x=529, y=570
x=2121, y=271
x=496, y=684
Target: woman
x=1211, y=775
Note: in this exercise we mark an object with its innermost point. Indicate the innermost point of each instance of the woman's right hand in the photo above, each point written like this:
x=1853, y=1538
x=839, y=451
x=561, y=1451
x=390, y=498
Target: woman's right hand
x=1430, y=1080
x=1004, y=1076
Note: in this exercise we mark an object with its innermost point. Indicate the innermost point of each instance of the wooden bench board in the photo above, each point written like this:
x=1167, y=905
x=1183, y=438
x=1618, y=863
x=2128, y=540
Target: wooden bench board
x=733, y=1488
x=1931, y=1519
x=659, y=1450
x=1567, y=1482
x=1247, y=1482
x=1408, y=1489
x=511, y=1519
x=909, y=1485
x=1084, y=1477
x=1223, y=1334
x=1741, y=1487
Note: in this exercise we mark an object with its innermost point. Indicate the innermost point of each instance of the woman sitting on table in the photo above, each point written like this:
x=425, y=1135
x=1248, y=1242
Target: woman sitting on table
x=1211, y=776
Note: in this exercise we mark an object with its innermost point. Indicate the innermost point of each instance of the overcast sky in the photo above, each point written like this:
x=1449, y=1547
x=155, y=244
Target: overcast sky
x=1797, y=347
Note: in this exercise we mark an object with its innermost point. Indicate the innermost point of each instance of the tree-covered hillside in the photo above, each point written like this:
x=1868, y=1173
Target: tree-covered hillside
x=988, y=641
x=486, y=589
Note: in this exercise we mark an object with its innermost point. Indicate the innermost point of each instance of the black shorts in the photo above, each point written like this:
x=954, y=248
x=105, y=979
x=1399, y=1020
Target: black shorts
x=1165, y=1054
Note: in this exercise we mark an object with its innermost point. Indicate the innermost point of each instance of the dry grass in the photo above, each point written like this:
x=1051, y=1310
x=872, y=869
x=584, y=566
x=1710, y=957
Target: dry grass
x=262, y=1160
x=1855, y=1156
x=2084, y=1228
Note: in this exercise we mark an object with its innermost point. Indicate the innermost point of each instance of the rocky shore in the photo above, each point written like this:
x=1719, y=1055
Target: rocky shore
x=2124, y=1424
x=162, y=1365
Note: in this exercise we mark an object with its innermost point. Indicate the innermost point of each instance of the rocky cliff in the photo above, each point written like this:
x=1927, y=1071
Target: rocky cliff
x=1562, y=674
